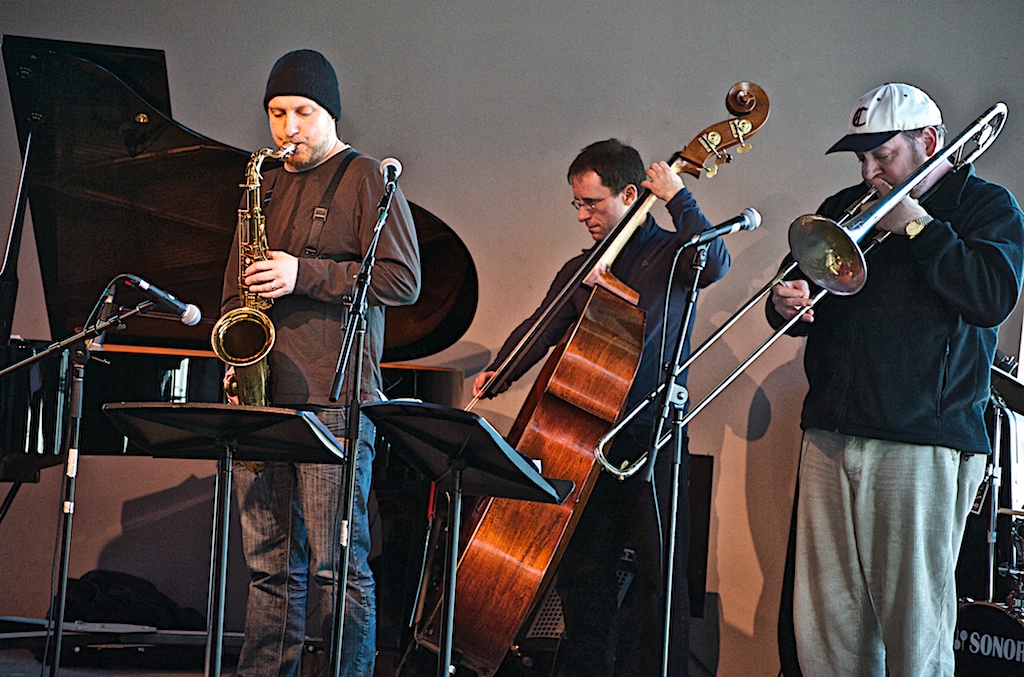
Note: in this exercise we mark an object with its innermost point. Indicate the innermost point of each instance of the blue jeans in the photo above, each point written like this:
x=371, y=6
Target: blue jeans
x=290, y=515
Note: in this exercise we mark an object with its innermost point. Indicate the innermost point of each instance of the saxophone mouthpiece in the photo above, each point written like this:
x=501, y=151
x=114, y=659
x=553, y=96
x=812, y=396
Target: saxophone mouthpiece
x=284, y=151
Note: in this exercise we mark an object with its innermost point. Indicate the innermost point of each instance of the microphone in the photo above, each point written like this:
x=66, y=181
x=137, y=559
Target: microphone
x=748, y=219
x=390, y=169
x=188, y=313
x=107, y=311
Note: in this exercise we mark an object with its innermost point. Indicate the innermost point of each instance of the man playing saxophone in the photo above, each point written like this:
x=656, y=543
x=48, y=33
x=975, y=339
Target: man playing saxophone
x=895, y=442
x=321, y=209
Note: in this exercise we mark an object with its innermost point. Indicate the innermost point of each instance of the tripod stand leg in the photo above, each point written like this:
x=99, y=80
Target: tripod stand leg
x=9, y=499
x=68, y=510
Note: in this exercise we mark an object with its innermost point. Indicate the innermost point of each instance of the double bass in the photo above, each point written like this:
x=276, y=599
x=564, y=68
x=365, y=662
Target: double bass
x=513, y=546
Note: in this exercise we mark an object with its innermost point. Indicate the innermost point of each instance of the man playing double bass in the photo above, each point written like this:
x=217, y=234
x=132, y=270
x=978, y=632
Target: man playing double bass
x=607, y=178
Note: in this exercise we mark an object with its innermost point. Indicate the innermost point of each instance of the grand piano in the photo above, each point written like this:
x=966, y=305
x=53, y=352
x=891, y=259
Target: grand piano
x=116, y=186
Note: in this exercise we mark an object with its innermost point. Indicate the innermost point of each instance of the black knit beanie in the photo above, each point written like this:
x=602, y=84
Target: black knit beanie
x=305, y=73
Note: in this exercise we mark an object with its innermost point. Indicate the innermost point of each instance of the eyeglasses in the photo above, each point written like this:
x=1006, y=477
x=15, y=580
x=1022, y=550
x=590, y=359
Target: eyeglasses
x=589, y=203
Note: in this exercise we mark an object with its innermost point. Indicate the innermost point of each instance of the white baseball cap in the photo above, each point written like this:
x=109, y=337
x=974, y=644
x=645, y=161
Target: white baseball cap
x=884, y=112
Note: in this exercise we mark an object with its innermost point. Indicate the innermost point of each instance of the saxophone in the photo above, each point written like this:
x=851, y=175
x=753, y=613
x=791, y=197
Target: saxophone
x=243, y=337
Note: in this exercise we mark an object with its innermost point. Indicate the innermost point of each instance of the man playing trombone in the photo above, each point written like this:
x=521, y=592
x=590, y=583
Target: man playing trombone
x=895, y=442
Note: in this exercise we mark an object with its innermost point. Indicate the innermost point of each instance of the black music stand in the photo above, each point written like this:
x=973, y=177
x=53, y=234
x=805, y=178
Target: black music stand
x=438, y=440
x=226, y=433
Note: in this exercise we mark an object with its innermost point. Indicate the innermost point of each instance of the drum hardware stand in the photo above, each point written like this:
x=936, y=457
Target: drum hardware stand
x=994, y=479
x=1015, y=600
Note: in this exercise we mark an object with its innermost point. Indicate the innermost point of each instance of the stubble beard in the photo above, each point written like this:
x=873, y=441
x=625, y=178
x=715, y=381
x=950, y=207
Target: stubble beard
x=307, y=156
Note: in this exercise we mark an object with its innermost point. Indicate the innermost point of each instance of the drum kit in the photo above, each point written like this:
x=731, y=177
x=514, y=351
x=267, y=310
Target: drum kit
x=989, y=638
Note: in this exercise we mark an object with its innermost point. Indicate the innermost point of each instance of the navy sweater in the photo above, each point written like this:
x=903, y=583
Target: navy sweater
x=908, y=357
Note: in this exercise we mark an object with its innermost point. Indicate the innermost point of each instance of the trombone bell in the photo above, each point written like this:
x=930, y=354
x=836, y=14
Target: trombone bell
x=827, y=255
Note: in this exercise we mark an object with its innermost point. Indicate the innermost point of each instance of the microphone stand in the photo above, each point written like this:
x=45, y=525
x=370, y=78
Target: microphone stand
x=355, y=334
x=674, y=398
x=79, y=357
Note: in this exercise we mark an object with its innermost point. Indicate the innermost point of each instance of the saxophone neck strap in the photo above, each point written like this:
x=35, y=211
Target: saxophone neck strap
x=320, y=212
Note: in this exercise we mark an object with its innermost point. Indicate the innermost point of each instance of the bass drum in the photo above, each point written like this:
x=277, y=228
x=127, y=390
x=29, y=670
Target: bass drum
x=989, y=641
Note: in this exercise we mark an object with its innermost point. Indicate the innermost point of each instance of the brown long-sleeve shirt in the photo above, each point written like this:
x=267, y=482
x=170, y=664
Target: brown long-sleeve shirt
x=310, y=321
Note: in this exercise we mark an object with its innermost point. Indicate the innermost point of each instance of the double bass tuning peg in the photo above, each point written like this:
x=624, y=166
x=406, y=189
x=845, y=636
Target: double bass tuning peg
x=721, y=158
x=740, y=130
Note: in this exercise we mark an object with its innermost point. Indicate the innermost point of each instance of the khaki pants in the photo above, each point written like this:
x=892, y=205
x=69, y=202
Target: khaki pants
x=879, y=526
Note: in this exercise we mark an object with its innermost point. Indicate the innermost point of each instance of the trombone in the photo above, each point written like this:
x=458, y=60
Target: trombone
x=831, y=254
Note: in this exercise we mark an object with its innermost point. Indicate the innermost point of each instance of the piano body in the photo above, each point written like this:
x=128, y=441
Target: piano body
x=115, y=185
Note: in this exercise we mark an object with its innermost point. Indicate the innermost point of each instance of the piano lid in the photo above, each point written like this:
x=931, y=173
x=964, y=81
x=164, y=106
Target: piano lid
x=116, y=185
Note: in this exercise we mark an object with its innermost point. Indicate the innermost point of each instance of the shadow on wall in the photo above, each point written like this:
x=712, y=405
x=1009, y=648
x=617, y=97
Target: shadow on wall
x=166, y=539
x=469, y=357
x=772, y=457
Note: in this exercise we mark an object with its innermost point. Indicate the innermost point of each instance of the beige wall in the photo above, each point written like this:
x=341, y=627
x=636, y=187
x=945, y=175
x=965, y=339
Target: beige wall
x=486, y=104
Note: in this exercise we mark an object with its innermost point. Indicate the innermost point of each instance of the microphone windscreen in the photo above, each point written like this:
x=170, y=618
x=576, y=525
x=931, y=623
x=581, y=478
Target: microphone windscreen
x=393, y=164
x=192, y=315
x=753, y=218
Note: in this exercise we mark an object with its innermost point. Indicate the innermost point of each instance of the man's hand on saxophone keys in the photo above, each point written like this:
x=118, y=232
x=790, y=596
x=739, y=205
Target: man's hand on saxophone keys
x=230, y=385
x=274, y=277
